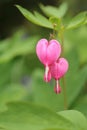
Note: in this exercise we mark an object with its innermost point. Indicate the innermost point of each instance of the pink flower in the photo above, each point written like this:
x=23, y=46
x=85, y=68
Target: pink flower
x=58, y=70
x=48, y=52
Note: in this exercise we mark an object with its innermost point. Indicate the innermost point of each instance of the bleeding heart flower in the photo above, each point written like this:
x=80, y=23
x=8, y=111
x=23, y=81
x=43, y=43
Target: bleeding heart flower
x=48, y=52
x=58, y=69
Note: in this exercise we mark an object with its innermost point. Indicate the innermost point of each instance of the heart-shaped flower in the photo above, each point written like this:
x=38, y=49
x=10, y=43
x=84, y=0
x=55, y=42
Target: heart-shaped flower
x=58, y=70
x=48, y=52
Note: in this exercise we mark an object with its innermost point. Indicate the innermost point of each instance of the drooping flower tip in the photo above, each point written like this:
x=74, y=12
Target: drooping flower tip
x=47, y=75
x=57, y=89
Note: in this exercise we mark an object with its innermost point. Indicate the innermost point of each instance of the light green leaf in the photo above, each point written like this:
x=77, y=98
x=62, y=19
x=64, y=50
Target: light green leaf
x=26, y=116
x=14, y=92
x=85, y=21
x=4, y=45
x=37, y=19
x=57, y=12
x=78, y=20
x=18, y=46
x=43, y=20
x=75, y=117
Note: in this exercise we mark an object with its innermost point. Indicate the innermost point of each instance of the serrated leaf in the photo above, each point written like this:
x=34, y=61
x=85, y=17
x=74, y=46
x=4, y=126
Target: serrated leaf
x=55, y=11
x=26, y=116
x=78, y=20
x=37, y=19
x=75, y=117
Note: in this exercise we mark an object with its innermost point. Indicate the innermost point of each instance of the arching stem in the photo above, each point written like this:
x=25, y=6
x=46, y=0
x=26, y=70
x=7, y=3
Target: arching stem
x=63, y=79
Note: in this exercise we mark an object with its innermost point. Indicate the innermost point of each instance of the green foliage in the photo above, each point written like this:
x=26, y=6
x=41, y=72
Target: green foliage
x=75, y=117
x=22, y=82
x=57, y=12
x=17, y=46
x=81, y=104
x=56, y=23
x=25, y=116
x=35, y=18
x=77, y=38
x=13, y=92
x=78, y=20
x=74, y=79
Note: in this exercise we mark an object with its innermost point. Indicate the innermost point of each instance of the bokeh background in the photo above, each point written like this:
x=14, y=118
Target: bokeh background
x=21, y=73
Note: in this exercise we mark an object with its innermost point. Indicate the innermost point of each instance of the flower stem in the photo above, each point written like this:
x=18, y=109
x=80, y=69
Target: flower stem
x=53, y=35
x=64, y=94
x=63, y=79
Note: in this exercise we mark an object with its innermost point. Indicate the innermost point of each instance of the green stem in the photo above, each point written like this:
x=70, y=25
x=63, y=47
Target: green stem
x=53, y=35
x=63, y=79
x=64, y=93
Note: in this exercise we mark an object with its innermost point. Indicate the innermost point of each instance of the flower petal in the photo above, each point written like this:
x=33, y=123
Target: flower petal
x=59, y=68
x=53, y=51
x=41, y=50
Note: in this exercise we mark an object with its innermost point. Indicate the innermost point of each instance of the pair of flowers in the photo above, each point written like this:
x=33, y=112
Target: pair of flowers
x=48, y=53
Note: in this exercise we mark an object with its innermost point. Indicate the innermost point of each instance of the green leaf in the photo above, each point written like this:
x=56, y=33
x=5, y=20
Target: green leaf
x=75, y=117
x=19, y=47
x=5, y=71
x=78, y=20
x=74, y=79
x=78, y=39
x=81, y=104
x=57, y=12
x=14, y=92
x=43, y=20
x=26, y=116
x=85, y=21
x=37, y=19
x=4, y=45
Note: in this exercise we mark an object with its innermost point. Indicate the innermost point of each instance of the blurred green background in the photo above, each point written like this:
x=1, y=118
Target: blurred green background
x=21, y=73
